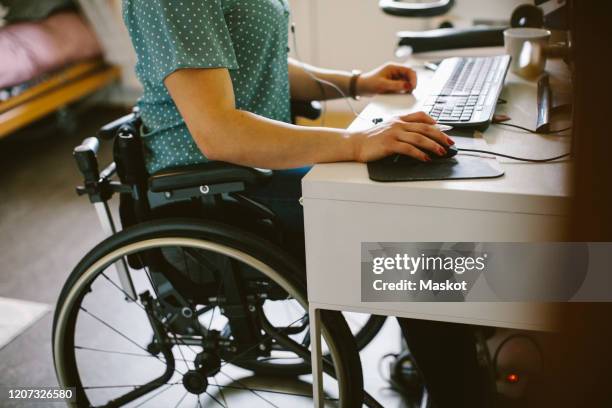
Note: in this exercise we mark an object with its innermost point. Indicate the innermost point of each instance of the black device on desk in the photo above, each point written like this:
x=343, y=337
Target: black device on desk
x=466, y=89
x=549, y=13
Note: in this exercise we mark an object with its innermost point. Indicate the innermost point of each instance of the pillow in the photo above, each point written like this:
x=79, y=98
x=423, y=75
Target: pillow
x=29, y=49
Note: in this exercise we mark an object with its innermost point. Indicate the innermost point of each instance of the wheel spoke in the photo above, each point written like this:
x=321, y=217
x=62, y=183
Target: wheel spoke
x=99, y=387
x=120, y=352
x=115, y=352
x=125, y=353
x=178, y=339
x=244, y=388
x=237, y=381
x=123, y=291
x=181, y=352
x=212, y=397
x=181, y=400
x=138, y=391
x=220, y=390
x=248, y=389
x=114, y=329
x=155, y=317
x=124, y=336
x=156, y=394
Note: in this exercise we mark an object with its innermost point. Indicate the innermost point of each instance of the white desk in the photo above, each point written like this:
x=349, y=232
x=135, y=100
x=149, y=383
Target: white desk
x=343, y=208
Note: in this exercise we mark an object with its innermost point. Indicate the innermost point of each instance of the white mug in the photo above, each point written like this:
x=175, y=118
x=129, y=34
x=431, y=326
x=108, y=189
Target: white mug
x=528, y=60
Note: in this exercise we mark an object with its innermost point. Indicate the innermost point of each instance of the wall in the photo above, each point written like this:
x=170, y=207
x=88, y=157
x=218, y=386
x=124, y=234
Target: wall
x=106, y=20
x=356, y=34
x=341, y=34
x=351, y=34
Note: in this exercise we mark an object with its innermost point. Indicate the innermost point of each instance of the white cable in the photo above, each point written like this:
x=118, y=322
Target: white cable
x=322, y=81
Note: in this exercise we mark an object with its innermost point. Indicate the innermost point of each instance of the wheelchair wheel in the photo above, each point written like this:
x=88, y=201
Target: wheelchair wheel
x=182, y=342
x=364, y=327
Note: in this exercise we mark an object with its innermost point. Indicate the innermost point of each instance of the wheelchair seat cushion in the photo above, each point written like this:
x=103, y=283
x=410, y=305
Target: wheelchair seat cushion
x=206, y=174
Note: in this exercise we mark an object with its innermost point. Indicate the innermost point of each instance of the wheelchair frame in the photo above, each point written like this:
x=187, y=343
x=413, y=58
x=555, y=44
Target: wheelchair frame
x=206, y=182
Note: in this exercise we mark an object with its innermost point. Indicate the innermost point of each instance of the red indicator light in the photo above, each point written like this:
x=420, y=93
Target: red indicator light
x=512, y=378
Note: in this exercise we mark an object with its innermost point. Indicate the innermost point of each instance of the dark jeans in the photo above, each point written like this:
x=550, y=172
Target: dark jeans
x=445, y=353
x=282, y=194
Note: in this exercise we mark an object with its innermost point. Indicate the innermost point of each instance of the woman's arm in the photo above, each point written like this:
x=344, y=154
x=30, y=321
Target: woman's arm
x=304, y=86
x=388, y=78
x=205, y=99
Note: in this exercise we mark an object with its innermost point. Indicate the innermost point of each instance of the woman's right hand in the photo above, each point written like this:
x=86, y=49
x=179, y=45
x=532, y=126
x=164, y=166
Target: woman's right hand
x=410, y=135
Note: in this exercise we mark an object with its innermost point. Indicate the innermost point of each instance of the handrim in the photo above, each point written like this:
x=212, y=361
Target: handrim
x=101, y=264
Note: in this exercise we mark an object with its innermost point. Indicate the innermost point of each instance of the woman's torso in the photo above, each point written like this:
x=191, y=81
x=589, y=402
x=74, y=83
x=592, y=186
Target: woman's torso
x=249, y=37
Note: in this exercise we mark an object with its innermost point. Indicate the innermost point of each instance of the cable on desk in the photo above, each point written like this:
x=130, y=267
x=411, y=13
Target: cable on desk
x=517, y=158
x=548, y=132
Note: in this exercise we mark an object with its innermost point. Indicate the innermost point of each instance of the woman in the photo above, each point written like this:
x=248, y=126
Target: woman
x=217, y=86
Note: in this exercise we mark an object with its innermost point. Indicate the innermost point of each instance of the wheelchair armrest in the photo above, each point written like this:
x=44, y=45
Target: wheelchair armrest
x=205, y=174
x=452, y=38
x=109, y=131
x=413, y=9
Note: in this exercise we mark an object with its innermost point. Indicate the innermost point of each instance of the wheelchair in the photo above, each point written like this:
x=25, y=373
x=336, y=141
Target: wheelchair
x=198, y=281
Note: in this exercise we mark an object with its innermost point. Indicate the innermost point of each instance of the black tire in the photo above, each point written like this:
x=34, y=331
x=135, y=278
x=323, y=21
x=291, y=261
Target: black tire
x=369, y=330
x=334, y=327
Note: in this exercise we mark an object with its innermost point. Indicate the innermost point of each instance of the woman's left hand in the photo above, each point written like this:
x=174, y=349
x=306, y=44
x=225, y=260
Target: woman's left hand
x=388, y=78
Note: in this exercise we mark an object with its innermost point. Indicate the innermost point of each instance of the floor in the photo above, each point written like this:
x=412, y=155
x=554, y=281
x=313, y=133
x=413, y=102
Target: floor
x=45, y=229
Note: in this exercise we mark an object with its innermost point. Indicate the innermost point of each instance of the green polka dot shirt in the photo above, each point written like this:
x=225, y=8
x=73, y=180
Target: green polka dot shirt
x=248, y=37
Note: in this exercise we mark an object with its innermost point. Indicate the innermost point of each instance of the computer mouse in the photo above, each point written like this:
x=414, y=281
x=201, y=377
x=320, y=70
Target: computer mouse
x=451, y=151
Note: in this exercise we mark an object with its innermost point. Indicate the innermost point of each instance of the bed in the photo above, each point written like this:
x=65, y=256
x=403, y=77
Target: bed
x=48, y=64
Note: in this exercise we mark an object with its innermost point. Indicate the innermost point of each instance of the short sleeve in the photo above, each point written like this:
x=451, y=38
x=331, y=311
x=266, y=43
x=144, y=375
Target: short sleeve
x=176, y=34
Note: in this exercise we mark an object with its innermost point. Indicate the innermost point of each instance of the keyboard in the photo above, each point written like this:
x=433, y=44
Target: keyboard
x=466, y=90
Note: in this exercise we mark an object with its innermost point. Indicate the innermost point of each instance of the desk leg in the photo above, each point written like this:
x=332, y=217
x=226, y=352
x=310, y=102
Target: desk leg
x=314, y=320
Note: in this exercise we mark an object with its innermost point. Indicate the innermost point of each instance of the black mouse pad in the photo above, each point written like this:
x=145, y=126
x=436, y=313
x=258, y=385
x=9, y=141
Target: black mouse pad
x=404, y=168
